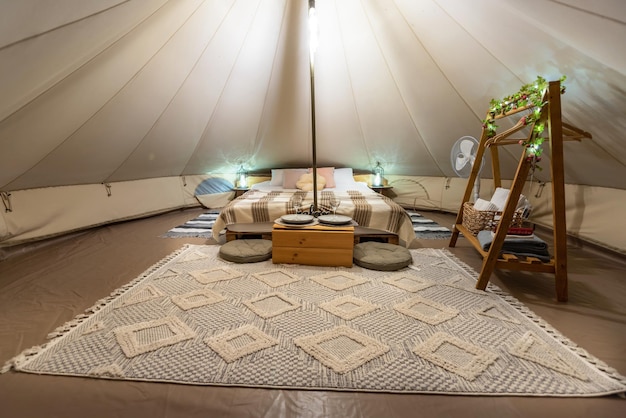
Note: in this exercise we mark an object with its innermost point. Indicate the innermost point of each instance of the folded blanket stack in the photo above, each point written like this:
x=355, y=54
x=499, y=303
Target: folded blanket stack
x=527, y=246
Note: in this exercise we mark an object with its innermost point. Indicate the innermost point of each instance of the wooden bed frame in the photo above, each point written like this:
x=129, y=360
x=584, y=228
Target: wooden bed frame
x=264, y=230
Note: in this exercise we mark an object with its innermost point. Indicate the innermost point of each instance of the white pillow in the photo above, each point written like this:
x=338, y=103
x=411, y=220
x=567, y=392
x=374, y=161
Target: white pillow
x=277, y=177
x=344, y=177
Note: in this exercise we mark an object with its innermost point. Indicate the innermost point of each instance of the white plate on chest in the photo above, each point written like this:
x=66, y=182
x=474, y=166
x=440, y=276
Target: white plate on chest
x=335, y=219
x=297, y=219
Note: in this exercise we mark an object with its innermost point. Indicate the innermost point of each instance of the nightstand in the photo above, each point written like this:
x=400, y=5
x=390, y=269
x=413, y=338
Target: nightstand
x=240, y=190
x=381, y=189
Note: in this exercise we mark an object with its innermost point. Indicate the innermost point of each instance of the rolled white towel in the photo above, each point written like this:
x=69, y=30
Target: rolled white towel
x=501, y=195
x=499, y=198
x=482, y=204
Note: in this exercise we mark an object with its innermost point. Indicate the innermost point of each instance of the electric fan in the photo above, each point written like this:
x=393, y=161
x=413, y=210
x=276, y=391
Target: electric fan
x=463, y=157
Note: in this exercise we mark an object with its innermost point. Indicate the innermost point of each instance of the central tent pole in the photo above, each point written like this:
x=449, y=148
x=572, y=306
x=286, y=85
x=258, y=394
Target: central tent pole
x=312, y=49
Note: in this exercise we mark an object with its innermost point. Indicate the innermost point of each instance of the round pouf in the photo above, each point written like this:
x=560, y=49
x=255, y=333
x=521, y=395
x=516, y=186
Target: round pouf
x=381, y=256
x=246, y=250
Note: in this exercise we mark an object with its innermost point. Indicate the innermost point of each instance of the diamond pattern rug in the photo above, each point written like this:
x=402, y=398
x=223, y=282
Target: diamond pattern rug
x=201, y=226
x=196, y=319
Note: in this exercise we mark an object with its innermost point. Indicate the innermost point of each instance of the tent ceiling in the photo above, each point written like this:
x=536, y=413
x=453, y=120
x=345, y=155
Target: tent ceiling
x=96, y=91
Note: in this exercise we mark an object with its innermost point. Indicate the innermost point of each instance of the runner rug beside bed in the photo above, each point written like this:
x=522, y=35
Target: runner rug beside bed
x=196, y=319
x=201, y=227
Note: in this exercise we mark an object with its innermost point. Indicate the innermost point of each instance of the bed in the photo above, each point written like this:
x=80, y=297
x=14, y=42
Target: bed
x=269, y=200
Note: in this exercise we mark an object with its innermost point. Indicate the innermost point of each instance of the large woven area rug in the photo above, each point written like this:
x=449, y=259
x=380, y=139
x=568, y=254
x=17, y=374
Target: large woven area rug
x=195, y=319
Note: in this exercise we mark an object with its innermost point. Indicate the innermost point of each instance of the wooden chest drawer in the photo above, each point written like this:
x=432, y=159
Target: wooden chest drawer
x=316, y=246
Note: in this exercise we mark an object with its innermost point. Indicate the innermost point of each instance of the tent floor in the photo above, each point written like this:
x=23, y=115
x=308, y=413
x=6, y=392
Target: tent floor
x=43, y=285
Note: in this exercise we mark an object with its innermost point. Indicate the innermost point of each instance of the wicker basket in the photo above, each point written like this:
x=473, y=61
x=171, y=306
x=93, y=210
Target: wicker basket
x=479, y=220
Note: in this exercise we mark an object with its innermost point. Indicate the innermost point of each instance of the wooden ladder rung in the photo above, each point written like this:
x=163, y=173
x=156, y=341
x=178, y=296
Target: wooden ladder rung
x=510, y=258
x=534, y=260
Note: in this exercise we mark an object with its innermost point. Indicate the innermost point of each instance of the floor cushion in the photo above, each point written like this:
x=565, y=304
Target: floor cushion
x=246, y=250
x=381, y=256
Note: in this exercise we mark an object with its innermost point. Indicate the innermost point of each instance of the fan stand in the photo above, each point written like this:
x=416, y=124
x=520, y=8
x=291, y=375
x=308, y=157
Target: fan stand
x=476, y=188
x=492, y=259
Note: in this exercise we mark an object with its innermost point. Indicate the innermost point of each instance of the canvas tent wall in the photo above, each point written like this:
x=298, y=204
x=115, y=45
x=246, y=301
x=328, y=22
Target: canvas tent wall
x=117, y=109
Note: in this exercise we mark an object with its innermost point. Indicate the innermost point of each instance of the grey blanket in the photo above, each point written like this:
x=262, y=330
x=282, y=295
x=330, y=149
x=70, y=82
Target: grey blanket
x=522, y=247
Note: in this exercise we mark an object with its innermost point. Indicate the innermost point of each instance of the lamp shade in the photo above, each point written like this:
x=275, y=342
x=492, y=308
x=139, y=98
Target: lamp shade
x=378, y=174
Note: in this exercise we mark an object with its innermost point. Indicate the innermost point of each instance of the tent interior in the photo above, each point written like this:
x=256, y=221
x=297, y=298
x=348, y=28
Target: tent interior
x=113, y=112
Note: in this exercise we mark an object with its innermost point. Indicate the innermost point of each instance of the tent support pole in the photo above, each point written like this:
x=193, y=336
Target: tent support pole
x=312, y=48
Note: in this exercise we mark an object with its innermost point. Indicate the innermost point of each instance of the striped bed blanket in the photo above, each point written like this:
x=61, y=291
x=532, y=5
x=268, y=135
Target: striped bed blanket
x=371, y=210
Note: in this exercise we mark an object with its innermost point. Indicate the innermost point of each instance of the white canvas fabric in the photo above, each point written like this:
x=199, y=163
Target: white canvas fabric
x=108, y=92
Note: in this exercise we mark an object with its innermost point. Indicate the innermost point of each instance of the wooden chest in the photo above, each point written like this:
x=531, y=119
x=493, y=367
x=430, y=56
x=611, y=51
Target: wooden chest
x=315, y=245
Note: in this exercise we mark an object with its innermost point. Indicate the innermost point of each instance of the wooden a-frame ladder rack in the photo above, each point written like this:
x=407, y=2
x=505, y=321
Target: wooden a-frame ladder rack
x=557, y=130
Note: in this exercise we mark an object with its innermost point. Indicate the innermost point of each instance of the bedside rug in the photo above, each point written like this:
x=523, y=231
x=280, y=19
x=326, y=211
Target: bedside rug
x=201, y=227
x=426, y=228
x=198, y=227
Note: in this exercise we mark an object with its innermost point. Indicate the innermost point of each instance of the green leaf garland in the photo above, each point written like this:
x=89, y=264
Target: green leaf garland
x=530, y=95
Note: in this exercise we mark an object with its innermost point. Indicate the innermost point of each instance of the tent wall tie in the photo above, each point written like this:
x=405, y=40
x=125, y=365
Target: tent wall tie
x=108, y=188
x=184, y=179
x=6, y=201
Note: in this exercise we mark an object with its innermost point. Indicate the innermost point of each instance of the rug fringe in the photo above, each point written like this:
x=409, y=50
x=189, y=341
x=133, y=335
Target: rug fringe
x=543, y=324
x=56, y=335
x=22, y=358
